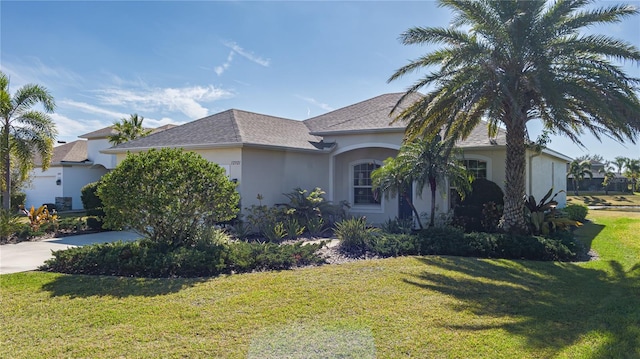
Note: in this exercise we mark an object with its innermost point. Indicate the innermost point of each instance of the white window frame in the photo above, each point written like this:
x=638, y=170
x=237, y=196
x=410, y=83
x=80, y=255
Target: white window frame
x=485, y=159
x=364, y=208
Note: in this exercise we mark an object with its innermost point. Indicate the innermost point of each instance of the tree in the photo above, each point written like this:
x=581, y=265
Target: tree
x=167, y=195
x=633, y=172
x=577, y=171
x=620, y=162
x=24, y=131
x=609, y=176
x=510, y=62
x=392, y=178
x=592, y=158
x=128, y=129
x=425, y=161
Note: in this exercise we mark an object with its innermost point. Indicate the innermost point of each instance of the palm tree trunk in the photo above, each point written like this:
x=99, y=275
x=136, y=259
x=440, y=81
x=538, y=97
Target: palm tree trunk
x=6, y=191
x=575, y=186
x=413, y=208
x=513, y=217
x=432, y=186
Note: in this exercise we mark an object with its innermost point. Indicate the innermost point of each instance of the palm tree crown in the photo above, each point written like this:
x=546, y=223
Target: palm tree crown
x=578, y=170
x=510, y=62
x=128, y=129
x=24, y=131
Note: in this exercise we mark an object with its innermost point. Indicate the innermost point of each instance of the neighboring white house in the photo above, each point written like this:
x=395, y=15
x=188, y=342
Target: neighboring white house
x=69, y=171
x=73, y=165
x=336, y=151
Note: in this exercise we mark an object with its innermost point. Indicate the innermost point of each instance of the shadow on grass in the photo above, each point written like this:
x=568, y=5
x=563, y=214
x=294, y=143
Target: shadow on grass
x=553, y=305
x=595, y=201
x=587, y=233
x=88, y=285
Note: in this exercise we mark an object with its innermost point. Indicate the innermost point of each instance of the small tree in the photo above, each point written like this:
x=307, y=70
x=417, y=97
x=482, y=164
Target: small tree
x=128, y=129
x=167, y=195
x=633, y=172
x=609, y=175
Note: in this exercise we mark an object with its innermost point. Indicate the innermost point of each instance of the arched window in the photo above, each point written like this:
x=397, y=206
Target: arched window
x=363, y=193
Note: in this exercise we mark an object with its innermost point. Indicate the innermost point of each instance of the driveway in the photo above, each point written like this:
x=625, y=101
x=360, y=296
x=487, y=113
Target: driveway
x=26, y=256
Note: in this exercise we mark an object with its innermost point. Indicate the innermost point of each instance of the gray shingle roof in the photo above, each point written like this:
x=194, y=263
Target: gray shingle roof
x=479, y=137
x=75, y=151
x=372, y=114
x=231, y=127
x=101, y=133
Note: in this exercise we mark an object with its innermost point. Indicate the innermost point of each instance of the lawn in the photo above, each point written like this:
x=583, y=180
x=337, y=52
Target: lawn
x=600, y=199
x=418, y=307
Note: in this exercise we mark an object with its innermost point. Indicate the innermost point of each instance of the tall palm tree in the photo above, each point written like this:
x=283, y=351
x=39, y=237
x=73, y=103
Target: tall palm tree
x=620, y=162
x=512, y=61
x=24, y=131
x=633, y=173
x=578, y=170
x=128, y=129
x=430, y=162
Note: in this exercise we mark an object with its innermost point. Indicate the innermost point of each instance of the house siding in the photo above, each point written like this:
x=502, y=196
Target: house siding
x=76, y=177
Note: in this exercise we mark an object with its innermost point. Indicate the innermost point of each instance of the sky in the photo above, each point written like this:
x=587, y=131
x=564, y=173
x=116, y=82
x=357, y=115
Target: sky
x=175, y=62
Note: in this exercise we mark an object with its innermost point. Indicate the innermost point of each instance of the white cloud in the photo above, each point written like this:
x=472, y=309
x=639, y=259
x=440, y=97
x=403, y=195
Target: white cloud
x=246, y=54
x=33, y=70
x=316, y=103
x=237, y=49
x=92, y=109
x=222, y=68
x=69, y=130
x=186, y=100
x=150, y=122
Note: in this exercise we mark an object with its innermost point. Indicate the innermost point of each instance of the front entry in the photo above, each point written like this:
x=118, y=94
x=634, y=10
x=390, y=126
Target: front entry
x=404, y=209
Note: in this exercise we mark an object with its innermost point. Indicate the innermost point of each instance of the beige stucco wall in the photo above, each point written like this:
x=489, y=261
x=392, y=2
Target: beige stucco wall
x=94, y=146
x=271, y=173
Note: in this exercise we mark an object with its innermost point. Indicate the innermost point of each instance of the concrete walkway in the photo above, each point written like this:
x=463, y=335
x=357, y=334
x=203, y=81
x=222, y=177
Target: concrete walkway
x=26, y=256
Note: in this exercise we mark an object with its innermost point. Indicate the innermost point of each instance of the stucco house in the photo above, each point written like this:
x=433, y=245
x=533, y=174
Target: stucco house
x=73, y=165
x=336, y=151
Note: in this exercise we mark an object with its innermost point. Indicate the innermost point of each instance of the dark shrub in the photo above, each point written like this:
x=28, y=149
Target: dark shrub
x=481, y=209
x=393, y=245
x=94, y=223
x=435, y=240
x=90, y=200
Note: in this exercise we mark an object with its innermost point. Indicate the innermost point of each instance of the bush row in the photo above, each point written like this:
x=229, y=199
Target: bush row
x=204, y=258
x=452, y=241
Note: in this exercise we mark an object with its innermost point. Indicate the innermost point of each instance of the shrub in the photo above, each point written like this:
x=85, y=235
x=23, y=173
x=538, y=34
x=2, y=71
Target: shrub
x=444, y=240
x=576, y=212
x=39, y=217
x=72, y=224
x=393, y=245
x=95, y=223
x=206, y=256
x=9, y=224
x=356, y=237
x=17, y=199
x=469, y=214
x=90, y=200
x=397, y=226
x=167, y=194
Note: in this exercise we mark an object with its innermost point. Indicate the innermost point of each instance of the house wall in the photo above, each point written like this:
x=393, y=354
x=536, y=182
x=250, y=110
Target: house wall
x=495, y=159
x=43, y=187
x=271, y=173
x=76, y=177
x=93, y=153
x=545, y=172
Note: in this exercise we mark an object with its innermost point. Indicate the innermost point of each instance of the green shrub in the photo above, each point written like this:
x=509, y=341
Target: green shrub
x=95, y=223
x=397, y=226
x=440, y=240
x=18, y=199
x=72, y=224
x=393, y=245
x=480, y=208
x=167, y=194
x=90, y=200
x=9, y=224
x=204, y=257
x=356, y=237
x=576, y=212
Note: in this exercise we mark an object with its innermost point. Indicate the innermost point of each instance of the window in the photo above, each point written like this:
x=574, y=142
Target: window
x=363, y=194
x=477, y=167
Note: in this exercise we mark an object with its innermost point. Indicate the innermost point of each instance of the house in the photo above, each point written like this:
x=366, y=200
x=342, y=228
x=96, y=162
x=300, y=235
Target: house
x=73, y=165
x=337, y=151
x=594, y=184
x=70, y=170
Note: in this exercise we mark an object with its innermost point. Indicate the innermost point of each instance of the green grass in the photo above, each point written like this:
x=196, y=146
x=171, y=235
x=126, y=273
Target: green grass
x=418, y=307
x=600, y=199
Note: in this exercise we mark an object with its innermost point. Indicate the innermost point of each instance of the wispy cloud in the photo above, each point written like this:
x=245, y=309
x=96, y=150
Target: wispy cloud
x=92, y=109
x=33, y=70
x=237, y=49
x=69, y=129
x=316, y=103
x=186, y=100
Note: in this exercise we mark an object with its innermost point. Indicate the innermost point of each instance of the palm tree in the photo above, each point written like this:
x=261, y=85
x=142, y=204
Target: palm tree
x=428, y=161
x=577, y=171
x=633, y=172
x=609, y=176
x=512, y=61
x=392, y=178
x=24, y=131
x=128, y=129
x=620, y=162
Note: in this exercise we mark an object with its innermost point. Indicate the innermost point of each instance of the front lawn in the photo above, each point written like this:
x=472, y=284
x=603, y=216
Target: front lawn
x=600, y=199
x=419, y=307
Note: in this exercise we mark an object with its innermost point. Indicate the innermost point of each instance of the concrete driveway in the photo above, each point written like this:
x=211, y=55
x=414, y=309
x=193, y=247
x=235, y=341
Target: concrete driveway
x=26, y=256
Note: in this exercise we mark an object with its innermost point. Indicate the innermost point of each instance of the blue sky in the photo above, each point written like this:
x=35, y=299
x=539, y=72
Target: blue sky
x=174, y=62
